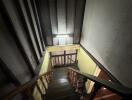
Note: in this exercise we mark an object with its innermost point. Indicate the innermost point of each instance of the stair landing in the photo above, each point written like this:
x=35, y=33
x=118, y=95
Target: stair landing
x=60, y=88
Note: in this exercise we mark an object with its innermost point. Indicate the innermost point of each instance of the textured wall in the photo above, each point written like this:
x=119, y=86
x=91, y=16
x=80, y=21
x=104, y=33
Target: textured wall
x=107, y=34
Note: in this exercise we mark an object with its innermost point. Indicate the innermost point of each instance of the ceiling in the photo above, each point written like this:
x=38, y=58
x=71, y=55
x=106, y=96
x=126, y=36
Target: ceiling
x=61, y=20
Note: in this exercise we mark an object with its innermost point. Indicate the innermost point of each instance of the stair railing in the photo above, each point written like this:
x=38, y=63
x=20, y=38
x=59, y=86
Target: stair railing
x=64, y=59
x=27, y=88
x=78, y=79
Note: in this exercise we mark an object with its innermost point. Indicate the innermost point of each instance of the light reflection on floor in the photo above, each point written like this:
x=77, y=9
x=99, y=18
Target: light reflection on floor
x=63, y=80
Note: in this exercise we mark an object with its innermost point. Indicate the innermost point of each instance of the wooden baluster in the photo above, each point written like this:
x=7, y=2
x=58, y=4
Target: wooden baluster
x=64, y=57
x=51, y=60
x=47, y=79
x=72, y=77
x=70, y=59
x=55, y=61
x=39, y=89
x=83, y=90
x=93, y=94
x=58, y=60
x=75, y=80
x=46, y=84
x=79, y=85
x=61, y=63
x=67, y=59
x=50, y=76
x=76, y=57
x=44, y=92
x=61, y=60
x=43, y=83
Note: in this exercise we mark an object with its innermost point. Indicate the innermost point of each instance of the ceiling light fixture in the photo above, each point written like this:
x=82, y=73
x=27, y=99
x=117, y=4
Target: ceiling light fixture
x=62, y=36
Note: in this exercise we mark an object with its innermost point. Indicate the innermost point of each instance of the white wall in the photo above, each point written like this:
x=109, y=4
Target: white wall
x=107, y=34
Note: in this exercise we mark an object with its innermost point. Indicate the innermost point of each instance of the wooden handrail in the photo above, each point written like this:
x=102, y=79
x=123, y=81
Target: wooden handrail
x=64, y=59
x=71, y=60
x=63, y=54
x=114, y=87
x=25, y=86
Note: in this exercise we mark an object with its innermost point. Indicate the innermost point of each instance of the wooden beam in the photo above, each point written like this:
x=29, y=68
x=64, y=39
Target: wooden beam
x=11, y=24
x=29, y=29
x=38, y=24
x=36, y=32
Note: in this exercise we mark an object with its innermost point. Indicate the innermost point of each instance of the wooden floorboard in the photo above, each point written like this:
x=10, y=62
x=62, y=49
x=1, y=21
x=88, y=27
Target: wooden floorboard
x=60, y=88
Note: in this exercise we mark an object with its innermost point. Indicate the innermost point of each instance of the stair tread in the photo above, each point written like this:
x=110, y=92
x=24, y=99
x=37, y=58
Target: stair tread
x=60, y=88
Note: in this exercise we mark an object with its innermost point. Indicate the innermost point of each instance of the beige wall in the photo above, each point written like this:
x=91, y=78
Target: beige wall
x=87, y=65
x=45, y=64
x=44, y=69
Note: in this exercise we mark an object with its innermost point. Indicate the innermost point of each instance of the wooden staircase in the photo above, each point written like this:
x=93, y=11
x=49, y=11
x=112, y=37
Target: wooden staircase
x=63, y=87
x=66, y=83
x=60, y=88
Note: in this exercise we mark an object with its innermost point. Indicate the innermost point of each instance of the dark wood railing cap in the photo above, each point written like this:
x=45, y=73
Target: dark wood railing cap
x=23, y=87
x=114, y=87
